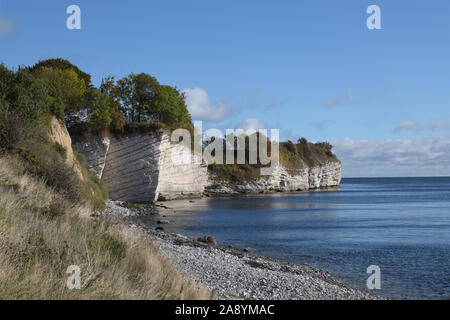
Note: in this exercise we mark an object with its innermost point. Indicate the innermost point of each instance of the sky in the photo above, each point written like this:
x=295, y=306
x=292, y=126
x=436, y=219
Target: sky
x=309, y=68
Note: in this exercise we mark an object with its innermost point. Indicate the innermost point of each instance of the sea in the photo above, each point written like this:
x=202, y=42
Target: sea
x=400, y=225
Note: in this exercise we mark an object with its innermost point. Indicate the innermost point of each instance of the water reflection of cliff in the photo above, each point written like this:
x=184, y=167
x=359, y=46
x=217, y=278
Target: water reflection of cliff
x=274, y=205
x=279, y=201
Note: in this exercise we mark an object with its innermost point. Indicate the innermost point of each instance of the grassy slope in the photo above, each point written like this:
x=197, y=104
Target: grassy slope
x=42, y=233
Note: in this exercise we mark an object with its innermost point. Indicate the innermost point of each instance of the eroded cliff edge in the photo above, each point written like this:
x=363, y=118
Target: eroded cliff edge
x=324, y=175
x=139, y=167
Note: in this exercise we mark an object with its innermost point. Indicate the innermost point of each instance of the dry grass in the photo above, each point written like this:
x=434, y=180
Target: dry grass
x=41, y=234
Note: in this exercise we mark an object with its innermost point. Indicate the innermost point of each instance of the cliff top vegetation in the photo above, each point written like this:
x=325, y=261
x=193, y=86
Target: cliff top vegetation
x=63, y=90
x=293, y=156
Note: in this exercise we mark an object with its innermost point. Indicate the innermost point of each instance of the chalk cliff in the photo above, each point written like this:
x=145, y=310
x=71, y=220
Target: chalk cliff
x=145, y=167
x=327, y=174
x=139, y=167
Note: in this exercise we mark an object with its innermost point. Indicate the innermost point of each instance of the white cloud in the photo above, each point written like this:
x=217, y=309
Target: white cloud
x=6, y=27
x=201, y=107
x=440, y=125
x=252, y=124
x=395, y=157
x=407, y=125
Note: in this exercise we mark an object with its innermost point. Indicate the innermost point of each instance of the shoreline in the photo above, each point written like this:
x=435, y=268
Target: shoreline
x=232, y=273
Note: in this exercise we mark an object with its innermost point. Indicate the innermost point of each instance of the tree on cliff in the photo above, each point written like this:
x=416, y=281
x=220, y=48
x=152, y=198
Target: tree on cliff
x=98, y=109
x=26, y=102
x=109, y=88
x=57, y=87
x=136, y=92
x=62, y=64
x=169, y=107
x=143, y=99
x=66, y=85
x=67, y=88
x=25, y=95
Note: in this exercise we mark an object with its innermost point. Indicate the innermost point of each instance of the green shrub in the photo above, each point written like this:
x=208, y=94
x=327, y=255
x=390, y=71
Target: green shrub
x=60, y=149
x=289, y=156
x=314, y=154
x=92, y=188
x=81, y=159
x=235, y=172
x=59, y=175
x=45, y=161
x=30, y=156
x=28, y=98
x=97, y=193
x=62, y=64
x=11, y=132
x=143, y=127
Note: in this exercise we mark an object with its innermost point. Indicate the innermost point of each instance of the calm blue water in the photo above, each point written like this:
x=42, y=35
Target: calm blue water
x=400, y=224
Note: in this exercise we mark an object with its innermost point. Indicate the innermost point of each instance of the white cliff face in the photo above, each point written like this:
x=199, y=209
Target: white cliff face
x=148, y=167
x=132, y=168
x=180, y=174
x=326, y=175
x=283, y=181
x=95, y=150
x=144, y=167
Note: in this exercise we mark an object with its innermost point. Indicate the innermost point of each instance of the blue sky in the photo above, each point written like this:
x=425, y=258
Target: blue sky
x=309, y=68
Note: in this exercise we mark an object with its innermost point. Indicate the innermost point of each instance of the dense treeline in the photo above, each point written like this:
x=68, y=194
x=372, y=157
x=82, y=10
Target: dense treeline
x=57, y=87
